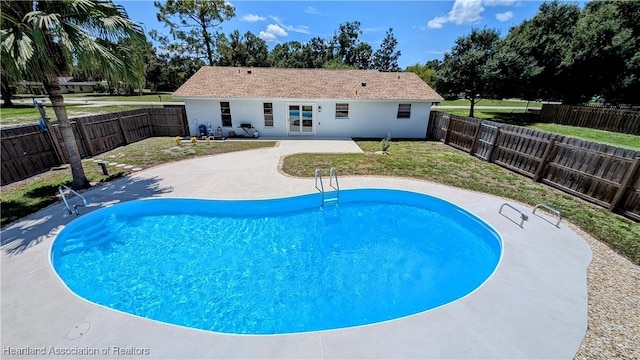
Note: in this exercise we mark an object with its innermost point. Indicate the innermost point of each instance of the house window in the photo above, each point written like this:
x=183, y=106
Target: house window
x=268, y=114
x=342, y=111
x=404, y=111
x=225, y=111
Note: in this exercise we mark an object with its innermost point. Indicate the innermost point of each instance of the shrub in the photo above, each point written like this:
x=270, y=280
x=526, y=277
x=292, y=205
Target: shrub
x=386, y=143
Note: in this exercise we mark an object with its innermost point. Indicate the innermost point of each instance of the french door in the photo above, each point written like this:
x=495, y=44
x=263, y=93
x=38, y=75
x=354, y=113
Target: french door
x=300, y=119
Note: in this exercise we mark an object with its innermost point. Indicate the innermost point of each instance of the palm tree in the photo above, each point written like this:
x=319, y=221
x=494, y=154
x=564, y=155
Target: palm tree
x=42, y=40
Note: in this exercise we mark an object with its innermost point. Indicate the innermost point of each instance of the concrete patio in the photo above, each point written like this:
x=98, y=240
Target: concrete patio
x=534, y=306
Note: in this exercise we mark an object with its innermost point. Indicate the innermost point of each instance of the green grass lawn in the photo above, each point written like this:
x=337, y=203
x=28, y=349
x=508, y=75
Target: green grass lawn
x=25, y=114
x=492, y=102
x=491, y=114
x=28, y=196
x=434, y=161
x=520, y=118
x=160, y=96
x=627, y=141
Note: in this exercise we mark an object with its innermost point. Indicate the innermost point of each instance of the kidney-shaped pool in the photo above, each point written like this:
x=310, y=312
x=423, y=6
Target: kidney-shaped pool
x=278, y=265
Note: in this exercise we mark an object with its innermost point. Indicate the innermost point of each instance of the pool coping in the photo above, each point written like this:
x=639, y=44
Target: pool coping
x=534, y=305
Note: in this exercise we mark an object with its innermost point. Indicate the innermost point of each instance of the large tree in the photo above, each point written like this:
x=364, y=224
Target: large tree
x=193, y=24
x=245, y=50
x=467, y=67
x=424, y=72
x=604, y=54
x=288, y=55
x=42, y=40
x=386, y=57
x=317, y=52
x=543, y=41
x=346, y=42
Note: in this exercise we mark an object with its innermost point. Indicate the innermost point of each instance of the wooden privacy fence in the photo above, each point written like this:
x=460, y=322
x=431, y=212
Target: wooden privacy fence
x=616, y=120
x=27, y=151
x=605, y=175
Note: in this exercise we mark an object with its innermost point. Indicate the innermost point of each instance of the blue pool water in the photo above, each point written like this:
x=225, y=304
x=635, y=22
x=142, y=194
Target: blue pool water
x=280, y=265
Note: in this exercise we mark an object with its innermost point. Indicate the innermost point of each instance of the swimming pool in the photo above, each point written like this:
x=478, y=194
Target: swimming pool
x=279, y=265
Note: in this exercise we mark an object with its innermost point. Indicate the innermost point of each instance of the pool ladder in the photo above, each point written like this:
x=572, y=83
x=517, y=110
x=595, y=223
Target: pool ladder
x=61, y=189
x=333, y=177
x=524, y=217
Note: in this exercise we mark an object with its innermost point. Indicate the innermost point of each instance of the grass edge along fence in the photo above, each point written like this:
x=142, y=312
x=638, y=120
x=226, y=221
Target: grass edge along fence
x=616, y=120
x=30, y=149
x=606, y=175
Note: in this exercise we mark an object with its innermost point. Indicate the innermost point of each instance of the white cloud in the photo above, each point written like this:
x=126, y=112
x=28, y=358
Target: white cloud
x=374, y=29
x=252, y=18
x=311, y=10
x=468, y=12
x=505, y=16
x=437, y=22
x=299, y=28
x=500, y=2
x=272, y=32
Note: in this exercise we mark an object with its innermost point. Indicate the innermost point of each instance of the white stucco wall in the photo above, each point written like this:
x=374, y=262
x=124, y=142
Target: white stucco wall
x=367, y=118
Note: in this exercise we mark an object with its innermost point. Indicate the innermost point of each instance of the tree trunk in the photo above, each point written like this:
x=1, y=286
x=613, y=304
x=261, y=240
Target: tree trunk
x=473, y=104
x=57, y=101
x=6, y=95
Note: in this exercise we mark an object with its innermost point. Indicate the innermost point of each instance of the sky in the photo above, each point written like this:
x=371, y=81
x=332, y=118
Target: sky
x=425, y=30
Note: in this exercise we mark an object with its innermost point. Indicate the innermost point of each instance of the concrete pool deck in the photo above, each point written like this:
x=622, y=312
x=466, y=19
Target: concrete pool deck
x=534, y=306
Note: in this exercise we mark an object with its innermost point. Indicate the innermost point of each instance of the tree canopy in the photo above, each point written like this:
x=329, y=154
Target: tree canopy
x=196, y=28
x=386, y=57
x=562, y=53
x=43, y=40
x=467, y=67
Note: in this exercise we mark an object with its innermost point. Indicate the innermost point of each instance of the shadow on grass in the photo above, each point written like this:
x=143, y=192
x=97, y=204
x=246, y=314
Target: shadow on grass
x=44, y=196
x=42, y=225
x=519, y=119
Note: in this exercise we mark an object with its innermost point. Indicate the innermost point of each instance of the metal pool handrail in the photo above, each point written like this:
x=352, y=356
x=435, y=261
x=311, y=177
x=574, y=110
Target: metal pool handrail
x=318, y=176
x=61, y=189
x=523, y=217
x=555, y=211
x=333, y=174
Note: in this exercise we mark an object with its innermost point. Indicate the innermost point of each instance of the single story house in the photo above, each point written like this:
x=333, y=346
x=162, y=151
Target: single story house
x=307, y=102
x=67, y=85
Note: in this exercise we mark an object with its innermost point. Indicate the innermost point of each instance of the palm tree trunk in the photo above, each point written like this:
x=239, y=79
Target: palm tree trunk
x=52, y=87
x=6, y=95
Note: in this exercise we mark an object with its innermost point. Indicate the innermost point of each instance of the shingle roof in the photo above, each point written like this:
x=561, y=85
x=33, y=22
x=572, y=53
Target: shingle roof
x=236, y=82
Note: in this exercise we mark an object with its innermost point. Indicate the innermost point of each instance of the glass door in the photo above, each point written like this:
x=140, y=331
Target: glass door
x=300, y=119
x=307, y=119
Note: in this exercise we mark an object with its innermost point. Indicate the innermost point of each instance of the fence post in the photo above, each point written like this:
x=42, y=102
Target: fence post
x=52, y=139
x=494, y=142
x=537, y=176
x=88, y=143
x=633, y=169
x=475, y=138
x=185, y=122
x=432, y=115
x=447, y=134
x=124, y=133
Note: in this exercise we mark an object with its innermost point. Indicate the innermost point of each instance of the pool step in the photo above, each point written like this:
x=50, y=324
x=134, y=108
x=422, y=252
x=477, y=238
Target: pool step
x=80, y=246
x=84, y=238
x=333, y=182
x=333, y=200
x=98, y=225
